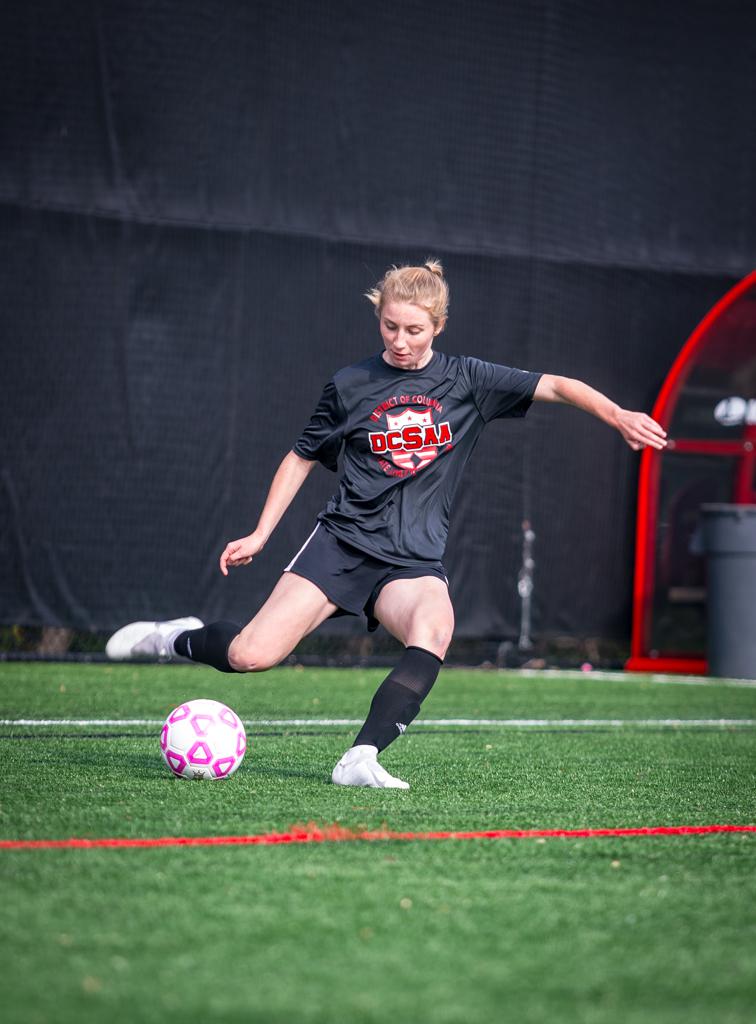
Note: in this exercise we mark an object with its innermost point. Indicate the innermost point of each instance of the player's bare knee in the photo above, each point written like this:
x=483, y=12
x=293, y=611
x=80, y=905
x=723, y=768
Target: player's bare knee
x=433, y=638
x=441, y=641
x=249, y=657
x=237, y=659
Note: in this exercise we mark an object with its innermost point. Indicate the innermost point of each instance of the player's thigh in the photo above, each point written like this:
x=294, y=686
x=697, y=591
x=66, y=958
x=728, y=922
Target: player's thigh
x=295, y=607
x=418, y=613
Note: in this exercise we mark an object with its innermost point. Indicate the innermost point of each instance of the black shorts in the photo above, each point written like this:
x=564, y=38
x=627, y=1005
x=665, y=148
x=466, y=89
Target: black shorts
x=350, y=578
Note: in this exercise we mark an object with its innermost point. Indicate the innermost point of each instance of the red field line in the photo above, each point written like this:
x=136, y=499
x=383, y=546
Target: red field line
x=335, y=834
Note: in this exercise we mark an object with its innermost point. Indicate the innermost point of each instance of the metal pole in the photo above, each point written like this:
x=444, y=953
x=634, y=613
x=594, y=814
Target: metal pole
x=525, y=586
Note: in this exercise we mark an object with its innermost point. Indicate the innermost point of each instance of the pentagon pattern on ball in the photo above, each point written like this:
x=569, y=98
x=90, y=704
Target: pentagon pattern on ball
x=203, y=739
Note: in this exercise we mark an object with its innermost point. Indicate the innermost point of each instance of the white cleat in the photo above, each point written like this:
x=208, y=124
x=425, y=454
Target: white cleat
x=359, y=767
x=149, y=641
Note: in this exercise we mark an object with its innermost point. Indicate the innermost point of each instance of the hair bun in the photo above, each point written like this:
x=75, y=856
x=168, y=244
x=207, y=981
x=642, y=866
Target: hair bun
x=411, y=284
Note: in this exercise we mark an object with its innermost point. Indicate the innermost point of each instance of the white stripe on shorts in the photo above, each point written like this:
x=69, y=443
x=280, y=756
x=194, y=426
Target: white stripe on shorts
x=288, y=567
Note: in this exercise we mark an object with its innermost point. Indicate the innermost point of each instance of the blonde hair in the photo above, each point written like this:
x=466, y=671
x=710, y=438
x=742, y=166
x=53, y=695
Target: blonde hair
x=422, y=286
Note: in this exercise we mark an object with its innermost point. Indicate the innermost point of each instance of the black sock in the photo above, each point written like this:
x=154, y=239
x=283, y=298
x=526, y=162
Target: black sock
x=397, y=700
x=208, y=645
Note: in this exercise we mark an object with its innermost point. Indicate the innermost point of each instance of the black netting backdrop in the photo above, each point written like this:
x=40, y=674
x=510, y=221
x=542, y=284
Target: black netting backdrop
x=195, y=195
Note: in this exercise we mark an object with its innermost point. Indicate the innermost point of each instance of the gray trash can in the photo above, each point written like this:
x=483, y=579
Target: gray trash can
x=729, y=540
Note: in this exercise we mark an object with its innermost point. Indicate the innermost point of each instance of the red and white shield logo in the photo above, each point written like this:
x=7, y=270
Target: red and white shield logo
x=420, y=457
x=412, y=440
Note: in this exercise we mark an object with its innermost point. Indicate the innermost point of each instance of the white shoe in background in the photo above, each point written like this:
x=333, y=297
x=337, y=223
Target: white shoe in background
x=149, y=641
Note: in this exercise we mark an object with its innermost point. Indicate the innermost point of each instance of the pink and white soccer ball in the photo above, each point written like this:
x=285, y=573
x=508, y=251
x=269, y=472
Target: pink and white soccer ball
x=203, y=739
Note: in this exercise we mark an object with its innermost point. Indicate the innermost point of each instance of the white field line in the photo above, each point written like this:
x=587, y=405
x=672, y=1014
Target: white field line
x=600, y=676
x=504, y=723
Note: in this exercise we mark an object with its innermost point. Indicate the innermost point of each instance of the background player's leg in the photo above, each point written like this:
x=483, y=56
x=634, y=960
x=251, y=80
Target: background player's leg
x=418, y=613
x=295, y=607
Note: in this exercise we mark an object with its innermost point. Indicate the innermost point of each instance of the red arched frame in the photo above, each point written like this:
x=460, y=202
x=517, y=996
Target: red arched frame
x=641, y=659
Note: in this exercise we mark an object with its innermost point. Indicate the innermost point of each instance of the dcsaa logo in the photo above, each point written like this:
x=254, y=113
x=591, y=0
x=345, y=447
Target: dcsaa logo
x=412, y=440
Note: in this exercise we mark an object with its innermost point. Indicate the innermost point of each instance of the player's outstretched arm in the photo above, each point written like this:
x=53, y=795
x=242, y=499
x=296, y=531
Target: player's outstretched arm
x=638, y=429
x=290, y=476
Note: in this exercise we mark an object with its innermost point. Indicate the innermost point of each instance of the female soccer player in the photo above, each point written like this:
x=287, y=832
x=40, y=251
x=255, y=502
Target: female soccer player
x=407, y=420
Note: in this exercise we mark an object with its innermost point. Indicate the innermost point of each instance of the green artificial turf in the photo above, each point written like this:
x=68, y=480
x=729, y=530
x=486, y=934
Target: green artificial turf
x=571, y=930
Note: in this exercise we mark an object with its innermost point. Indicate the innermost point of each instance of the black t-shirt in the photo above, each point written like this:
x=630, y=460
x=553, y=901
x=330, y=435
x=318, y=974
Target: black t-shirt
x=406, y=436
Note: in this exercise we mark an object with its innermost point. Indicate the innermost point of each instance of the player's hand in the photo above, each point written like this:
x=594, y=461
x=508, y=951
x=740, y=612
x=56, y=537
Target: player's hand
x=640, y=431
x=240, y=552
